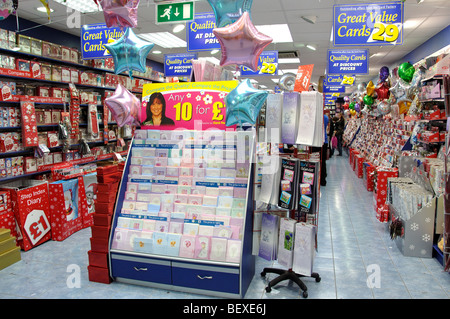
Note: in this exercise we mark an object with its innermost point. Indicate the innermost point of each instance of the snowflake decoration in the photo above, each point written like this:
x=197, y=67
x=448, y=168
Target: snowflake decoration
x=423, y=252
x=208, y=99
x=428, y=220
x=412, y=247
x=426, y=238
x=414, y=226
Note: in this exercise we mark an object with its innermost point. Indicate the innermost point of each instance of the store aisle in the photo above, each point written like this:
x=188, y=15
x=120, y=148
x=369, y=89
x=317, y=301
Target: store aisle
x=352, y=246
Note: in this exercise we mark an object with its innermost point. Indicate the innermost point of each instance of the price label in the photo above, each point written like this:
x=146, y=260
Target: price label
x=385, y=32
x=348, y=80
x=267, y=65
x=36, y=226
x=268, y=68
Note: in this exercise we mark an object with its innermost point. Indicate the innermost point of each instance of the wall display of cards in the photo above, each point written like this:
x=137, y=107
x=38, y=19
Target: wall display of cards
x=184, y=205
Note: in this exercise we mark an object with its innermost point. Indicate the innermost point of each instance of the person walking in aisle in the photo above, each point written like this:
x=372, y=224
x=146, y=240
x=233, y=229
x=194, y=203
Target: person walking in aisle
x=339, y=126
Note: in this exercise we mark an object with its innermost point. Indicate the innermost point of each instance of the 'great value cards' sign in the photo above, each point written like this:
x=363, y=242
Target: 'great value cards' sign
x=199, y=33
x=348, y=61
x=178, y=64
x=93, y=40
x=267, y=65
x=368, y=24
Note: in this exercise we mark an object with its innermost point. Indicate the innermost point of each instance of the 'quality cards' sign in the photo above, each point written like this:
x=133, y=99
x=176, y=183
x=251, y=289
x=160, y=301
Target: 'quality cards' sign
x=93, y=40
x=199, y=33
x=348, y=61
x=368, y=24
x=178, y=64
x=267, y=65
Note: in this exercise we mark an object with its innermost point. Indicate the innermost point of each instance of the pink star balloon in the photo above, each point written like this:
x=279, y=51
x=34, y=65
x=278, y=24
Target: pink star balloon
x=241, y=43
x=120, y=13
x=124, y=107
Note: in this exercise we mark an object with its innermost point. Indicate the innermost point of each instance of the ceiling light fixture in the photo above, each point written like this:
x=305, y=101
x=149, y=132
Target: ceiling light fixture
x=289, y=60
x=43, y=9
x=164, y=39
x=214, y=51
x=420, y=1
x=280, y=33
x=178, y=28
x=81, y=5
x=311, y=47
x=310, y=19
x=156, y=52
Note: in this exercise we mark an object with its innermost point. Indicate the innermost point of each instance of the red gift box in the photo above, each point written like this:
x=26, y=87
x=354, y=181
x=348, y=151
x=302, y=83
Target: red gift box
x=98, y=259
x=368, y=178
x=30, y=205
x=359, y=166
x=98, y=274
x=99, y=244
x=100, y=232
x=104, y=208
x=102, y=220
x=106, y=188
x=105, y=170
x=382, y=178
x=110, y=178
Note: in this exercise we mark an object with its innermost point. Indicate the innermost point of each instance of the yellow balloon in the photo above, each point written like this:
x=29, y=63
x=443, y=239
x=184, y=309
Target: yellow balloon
x=403, y=107
x=370, y=88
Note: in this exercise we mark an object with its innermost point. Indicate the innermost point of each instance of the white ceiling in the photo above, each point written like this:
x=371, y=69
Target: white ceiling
x=426, y=20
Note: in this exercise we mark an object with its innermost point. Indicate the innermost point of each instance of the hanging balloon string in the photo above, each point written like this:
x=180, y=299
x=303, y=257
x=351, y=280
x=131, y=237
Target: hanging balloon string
x=130, y=71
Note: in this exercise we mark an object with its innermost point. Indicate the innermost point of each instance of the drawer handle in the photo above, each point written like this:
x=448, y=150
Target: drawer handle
x=140, y=269
x=205, y=277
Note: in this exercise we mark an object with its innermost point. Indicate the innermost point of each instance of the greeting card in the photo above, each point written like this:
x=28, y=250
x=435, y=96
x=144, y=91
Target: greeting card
x=173, y=244
x=233, y=251
x=202, y=247
x=160, y=243
x=190, y=229
x=187, y=246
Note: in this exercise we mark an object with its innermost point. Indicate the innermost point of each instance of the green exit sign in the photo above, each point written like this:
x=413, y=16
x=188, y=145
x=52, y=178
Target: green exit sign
x=174, y=12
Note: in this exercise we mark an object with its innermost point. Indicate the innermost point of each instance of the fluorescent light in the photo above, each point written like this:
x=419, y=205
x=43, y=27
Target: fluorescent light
x=82, y=6
x=164, y=39
x=178, y=28
x=310, y=19
x=289, y=60
x=331, y=35
x=214, y=51
x=43, y=9
x=311, y=47
x=280, y=33
x=289, y=71
x=156, y=52
x=275, y=80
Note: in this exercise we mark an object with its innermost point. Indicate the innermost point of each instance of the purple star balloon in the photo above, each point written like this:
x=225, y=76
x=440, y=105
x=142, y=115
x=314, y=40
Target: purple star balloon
x=124, y=107
x=120, y=13
x=241, y=43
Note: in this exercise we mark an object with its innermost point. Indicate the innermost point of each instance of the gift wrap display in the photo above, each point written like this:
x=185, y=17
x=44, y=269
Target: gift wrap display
x=183, y=200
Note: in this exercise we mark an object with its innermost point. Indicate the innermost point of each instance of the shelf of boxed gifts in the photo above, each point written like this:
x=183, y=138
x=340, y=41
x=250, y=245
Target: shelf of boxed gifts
x=47, y=168
x=26, y=76
x=68, y=63
x=28, y=151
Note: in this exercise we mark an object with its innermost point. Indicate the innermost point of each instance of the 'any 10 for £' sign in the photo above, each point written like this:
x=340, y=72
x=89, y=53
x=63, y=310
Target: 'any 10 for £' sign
x=191, y=105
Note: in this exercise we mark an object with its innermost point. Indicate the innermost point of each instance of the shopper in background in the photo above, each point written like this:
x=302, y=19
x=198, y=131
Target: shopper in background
x=330, y=132
x=339, y=126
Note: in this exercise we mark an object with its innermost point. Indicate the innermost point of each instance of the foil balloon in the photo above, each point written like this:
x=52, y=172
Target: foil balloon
x=120, y=13
x=406, y=71
x=384, y=108
x=287, y=81
x=124, y=107
x=129, y=52
x=7, y=7
x=399, y=93
x=384, y=73
x=243, y=104
x=47, y=7
x=362, y=87
x=370, y=88
x=382, y=91
x=352, y=112
x=365, y=110
x=241, y=43
x=351, y=106
x=346, y=106
x=346, y=99
x=368, y=100
x=228, y=11
x=357, y=107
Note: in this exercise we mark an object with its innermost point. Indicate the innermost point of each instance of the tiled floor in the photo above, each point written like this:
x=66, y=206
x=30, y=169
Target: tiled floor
x=352, y=245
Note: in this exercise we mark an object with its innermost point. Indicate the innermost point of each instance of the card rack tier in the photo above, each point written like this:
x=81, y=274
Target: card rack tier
x=183, y=217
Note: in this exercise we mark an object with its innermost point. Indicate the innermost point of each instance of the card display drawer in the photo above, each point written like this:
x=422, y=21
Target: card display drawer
x=206, y=277
x=145, y=269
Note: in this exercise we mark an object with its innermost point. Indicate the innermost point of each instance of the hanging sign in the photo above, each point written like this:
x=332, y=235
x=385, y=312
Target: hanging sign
x=364, y=24
x=333, y=89
x=199, y=33
x=303, y=77
x=185, y=105
x=342, y=79
x=174, y=12
x=267, y=65
x=93, y=40
x=178, y=64
x=348, y=61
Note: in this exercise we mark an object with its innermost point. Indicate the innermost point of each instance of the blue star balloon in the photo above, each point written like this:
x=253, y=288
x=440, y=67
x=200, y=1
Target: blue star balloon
x=244, y=103
x=129, y=52
x=228, y=11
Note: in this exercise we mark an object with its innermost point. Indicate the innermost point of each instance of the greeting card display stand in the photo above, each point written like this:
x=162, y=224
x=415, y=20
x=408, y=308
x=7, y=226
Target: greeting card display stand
x=133, y=252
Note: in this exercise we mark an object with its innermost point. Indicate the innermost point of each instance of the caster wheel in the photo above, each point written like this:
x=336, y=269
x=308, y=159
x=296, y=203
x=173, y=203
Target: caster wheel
x=305, y=294
x=268, y=289
x=318, y=279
